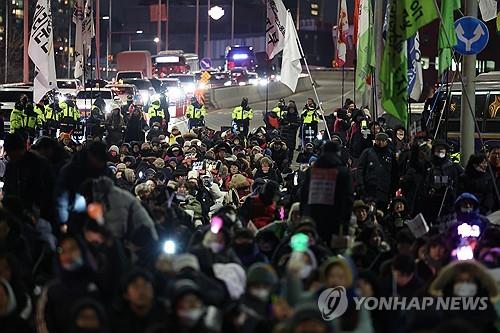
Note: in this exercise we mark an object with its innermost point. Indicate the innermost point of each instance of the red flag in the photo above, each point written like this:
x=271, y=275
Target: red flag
x=356, y=20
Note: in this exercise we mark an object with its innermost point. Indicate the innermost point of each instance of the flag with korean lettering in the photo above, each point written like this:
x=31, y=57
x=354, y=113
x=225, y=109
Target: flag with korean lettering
x=342, y=34
x=405, y=18
x=41, y=50
x=88, y=28
x=275, y=27
x=78, y=21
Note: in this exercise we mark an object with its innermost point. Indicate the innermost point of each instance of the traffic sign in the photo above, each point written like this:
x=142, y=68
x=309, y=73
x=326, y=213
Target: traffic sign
x=205, y=63
x=205, y=77
x=472, y=35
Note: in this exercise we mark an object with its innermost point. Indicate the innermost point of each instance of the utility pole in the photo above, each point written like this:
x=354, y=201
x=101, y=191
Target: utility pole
x=6, y=59
x=167, y=10
x=467, y=124
x=69, y=47
x=158, y=45
x=232, y=23
x=197, y=29
x=98, y=39
x=209, y=47
x=379, y=50
x=26, y=38
x=108, y=44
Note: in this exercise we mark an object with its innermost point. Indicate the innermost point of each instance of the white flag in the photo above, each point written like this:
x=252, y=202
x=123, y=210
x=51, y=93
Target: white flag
x=41, y=50
x=290, y=65
x=88, y=28
x=415, y=76
x=275, y=27
x=78, y=21
x=342, y=34
x=488, y=9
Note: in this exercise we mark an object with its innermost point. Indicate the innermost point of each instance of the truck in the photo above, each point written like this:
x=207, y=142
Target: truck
x=135, y=61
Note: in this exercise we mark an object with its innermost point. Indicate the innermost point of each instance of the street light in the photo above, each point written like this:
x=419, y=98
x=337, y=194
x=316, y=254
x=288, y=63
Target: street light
x=139, y=32
x=105, y=18
x=156, y=40
x=216, y=12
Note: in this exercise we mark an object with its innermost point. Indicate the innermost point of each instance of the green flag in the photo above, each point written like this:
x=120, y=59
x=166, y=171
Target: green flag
x=405, y=18
x=447, y=35
x=365, y=47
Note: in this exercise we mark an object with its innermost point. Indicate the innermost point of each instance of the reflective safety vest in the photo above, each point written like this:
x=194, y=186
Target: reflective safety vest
x=50, y=114
x=155, y=110
x=455, y=157
x=31, y=122
x=278, y=111
x=16, y=120
x=310, y=116
x=68, y=111
x=240, y=114
x=39, y=110
x=196, y=113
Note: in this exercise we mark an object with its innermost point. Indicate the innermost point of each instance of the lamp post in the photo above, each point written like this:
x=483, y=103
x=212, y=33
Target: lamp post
x=167, y=14
x=197, y=29
x=232, y=23
x=26, y=38
x=209, y=48
x=215, y=13
x=108, y=41
x=6, y=68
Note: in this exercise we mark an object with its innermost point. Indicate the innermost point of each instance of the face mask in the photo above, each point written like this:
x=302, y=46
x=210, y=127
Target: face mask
x=260, y=293
x=440, y=155
x=465, y=289
x=305, y=272
x=190, y=317
x=216, y=247
x=76, y=264
x=466, y=209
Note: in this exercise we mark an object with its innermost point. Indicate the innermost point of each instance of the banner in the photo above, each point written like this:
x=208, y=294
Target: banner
x=415, y=77
x=154, y=13
x=342, y=34
x=365, y=47
x=447, y=36
x=88, y=28
x=405, y=18
x=275, y=27
x=78, y=21
x=290, y=65
x=41, y=50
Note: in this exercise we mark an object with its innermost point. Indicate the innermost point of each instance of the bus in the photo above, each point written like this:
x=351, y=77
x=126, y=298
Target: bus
x=174, y=62
x=240, y=57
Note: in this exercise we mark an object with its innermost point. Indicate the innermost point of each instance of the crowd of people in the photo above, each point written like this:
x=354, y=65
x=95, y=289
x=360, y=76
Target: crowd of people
x=240, y=230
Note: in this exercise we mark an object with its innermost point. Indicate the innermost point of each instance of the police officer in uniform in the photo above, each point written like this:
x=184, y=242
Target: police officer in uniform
x=310, y=119
x=31, y=122
x=196, y=113
x=17, y=116
x=69, y=114
x=51, y=118
x=241, y=117
x=156, y=113
x=274, y=117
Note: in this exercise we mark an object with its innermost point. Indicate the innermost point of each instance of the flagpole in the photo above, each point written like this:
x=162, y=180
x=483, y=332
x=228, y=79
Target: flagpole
x=343, y=83
x=26, y=62
x=313, y=84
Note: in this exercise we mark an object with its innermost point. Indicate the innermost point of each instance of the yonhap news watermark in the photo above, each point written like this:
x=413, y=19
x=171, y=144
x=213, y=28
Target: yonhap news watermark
x=333, y=303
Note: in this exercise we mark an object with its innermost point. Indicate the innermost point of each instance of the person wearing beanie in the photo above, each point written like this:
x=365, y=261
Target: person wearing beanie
x=377, y=172
x=331, y=208
x=114, y=154
x=262, y=281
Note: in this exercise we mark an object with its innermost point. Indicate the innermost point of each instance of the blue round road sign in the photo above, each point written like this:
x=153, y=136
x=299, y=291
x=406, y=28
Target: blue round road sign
x=205, y=64
x=472, y=35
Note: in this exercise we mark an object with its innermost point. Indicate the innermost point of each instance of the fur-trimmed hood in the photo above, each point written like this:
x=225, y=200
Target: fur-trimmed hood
x=445, y=278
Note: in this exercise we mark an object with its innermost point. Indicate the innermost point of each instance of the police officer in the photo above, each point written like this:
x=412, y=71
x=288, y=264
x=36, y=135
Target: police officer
x=196, y=113
x=39, y=109
x=51, y=117
x=310, y=119
x=274, y=117
x=69, y=114
x=17, y=116
x=241, y=117
x=31, y=121
x=156, y=113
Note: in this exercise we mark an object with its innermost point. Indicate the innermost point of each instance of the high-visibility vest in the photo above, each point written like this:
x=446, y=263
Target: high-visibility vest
x=39, y=110
x=50, y=114
x=310, y=116
x=196, y=113
x=278, y=111
x=155, y=110
x=31, y=122
x=240, y=114
x=69, y=111
x=16, y=120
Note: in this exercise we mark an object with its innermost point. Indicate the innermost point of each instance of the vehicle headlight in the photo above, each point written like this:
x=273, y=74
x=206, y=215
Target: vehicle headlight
x=278, y=78
x=263, y=82
x=242, y=84
x=202, y=86
x=227, y=84
x=254, y=81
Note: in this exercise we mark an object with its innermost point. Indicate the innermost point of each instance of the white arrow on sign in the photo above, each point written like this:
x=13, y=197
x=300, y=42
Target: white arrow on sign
x=478, y=33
